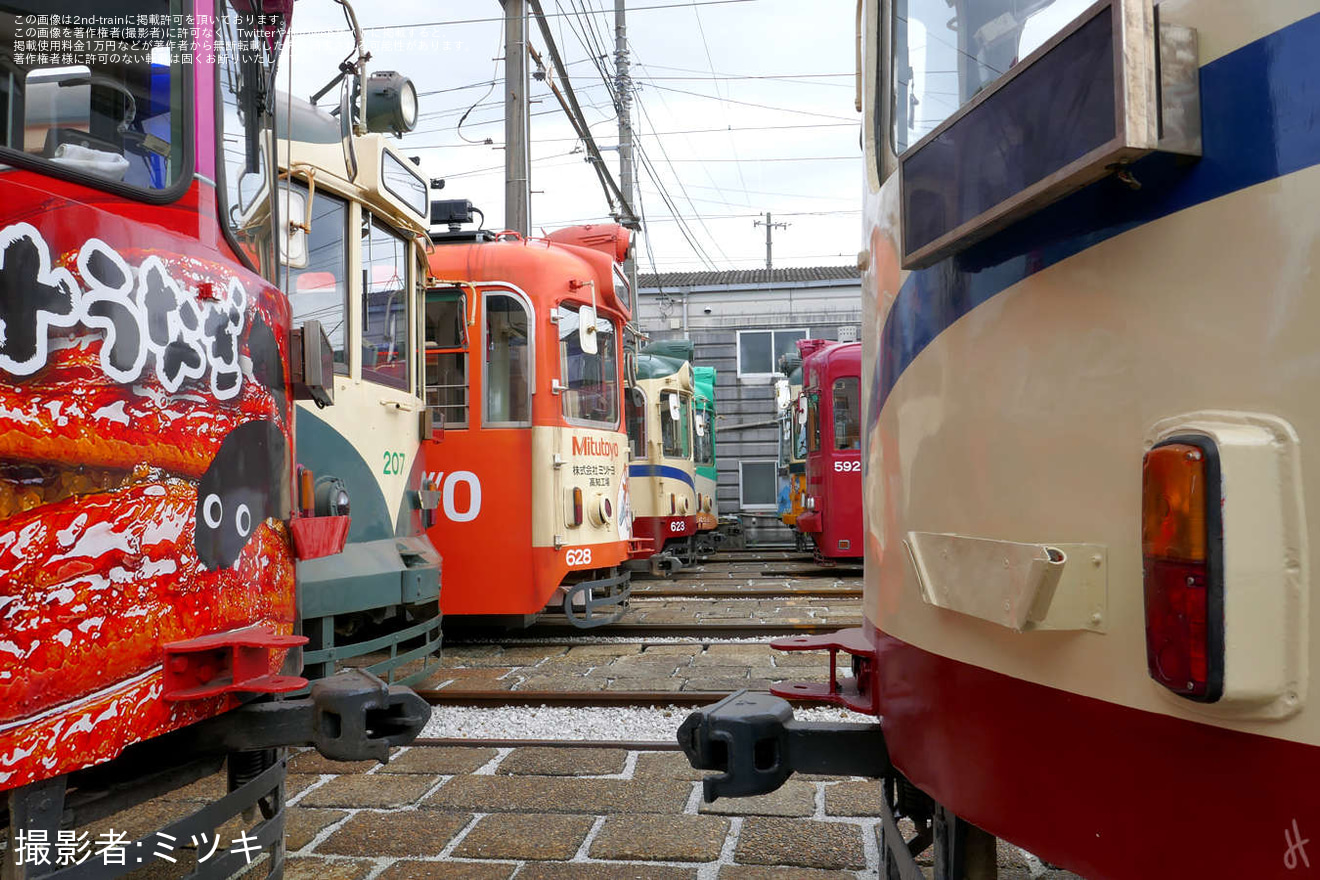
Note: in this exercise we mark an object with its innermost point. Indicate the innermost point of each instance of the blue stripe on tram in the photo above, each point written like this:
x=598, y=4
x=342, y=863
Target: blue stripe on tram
x=1260, y=119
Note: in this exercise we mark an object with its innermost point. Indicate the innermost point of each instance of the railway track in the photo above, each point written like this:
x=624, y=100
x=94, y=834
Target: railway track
x=575, y=699
x=758, y=592
x=695, y=630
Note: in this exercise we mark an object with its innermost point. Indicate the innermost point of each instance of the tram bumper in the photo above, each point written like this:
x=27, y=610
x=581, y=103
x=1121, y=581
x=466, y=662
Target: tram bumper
x=350, y=716
x=755, y=743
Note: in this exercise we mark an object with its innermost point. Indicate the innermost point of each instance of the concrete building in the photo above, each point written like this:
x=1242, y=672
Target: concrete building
x=740, y=322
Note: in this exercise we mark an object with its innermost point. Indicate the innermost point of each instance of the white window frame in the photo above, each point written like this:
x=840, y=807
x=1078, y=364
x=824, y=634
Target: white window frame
x=774, y=476
x=760, y=374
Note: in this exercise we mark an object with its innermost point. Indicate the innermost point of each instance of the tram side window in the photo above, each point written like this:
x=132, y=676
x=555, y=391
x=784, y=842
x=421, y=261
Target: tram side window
x=318, y=289
x=508, y=361
x=591, y=380
x=704, y=444
x=634, y=417
x=675, y=433
x=847, y=413
x=384, y=304
x=813, y=422
x=447, y=358
x=119, y=120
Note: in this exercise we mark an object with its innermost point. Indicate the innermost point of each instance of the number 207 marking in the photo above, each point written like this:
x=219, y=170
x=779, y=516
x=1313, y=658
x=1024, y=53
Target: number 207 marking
x=394, y=463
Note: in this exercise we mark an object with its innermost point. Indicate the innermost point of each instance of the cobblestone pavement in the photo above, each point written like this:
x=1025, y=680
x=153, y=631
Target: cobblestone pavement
x=623, y=666
x=539, y=813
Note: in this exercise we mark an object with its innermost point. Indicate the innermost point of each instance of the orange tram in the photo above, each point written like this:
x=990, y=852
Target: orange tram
x=524, y=381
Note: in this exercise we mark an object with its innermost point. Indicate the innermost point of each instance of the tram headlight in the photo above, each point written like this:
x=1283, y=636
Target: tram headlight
x=391, y=102
x=602, y=511
x=332, y=498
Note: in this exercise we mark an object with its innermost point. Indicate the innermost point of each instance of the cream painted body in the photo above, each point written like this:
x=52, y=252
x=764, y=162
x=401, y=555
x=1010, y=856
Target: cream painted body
x=555, y=475
x=650, y=495
x=380, y=421
x=1025, y=421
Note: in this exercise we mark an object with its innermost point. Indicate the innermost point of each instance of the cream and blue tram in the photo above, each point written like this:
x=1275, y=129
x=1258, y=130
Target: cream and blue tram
x=1090, y=291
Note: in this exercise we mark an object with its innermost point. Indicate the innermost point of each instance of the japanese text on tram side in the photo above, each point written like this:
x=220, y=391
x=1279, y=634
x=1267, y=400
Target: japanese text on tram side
x=35, y=847
x=597, y=474
x=144, y=312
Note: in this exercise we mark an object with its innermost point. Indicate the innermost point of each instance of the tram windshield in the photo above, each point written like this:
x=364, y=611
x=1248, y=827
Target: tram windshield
x=634, y=417
x=704, y=445
x=847, y=414
x=675, y=433
x=103, y=102
x=944, y=56
x=591, y=381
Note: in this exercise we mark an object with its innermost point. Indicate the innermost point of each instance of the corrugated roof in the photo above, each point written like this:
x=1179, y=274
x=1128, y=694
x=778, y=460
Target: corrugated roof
x=794, y=275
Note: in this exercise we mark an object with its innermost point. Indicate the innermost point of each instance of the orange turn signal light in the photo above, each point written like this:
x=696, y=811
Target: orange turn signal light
x=1174, y=501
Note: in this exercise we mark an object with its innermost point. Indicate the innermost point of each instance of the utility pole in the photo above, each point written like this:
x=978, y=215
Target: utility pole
x=517, y=123
x=623, y=89
x=768, y=226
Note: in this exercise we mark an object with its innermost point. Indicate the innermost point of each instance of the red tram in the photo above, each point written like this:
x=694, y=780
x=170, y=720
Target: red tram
x=1090, y=622
x=831, y=387
x=524, y=376
x=148, y=529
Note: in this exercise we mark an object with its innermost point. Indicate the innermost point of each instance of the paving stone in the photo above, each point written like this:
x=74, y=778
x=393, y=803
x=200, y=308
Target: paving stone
x=408, y=869
x=302, y=825
x=723, y=672
x=440, y=761
x=660, y=838
x=491, y=678
x=736, y=655
x=534, y=761
x=570, y=665
x=629, y=668
x=800, y=842
x=311, y=868
x=549, y=794
x=679, y=651
x=605, y=652
x=557, y=682
x=525, y=655
x=666, y=685
x=586, y=871
x=525, y=836
x=853, y=799
x=803, y=658
x=382, y=790
x=397, y=833
x=794, y=798
x=666, y=765
x=313, y=762
x=469, y=655
x=716, y=685
x=207, y=789
x=762, y=872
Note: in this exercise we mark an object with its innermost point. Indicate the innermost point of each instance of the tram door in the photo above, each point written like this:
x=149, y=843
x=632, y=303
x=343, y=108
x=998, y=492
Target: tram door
x=479, y=377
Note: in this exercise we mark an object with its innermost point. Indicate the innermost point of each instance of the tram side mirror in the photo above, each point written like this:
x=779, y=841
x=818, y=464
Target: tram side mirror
x=293, y=231
x=673, y=407
x=587, y=330
x=313, y=364
x=781, y=394
x=802, y=410
x=346, y=126
x=701, y=424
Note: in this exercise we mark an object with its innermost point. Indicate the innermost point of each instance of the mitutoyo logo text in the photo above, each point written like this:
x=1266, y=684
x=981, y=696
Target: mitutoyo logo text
x=593, y=446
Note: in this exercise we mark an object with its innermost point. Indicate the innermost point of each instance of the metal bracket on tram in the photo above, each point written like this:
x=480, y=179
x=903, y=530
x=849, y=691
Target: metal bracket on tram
x=582, y=604
x=755, y=743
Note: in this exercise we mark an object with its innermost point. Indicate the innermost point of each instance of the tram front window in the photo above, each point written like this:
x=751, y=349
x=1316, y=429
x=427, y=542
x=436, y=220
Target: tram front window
x=107, y=108
x=384, y=304
x=446, y=357
x=675, y=433
x=944, y=56
x=508, y=360
x=847, y=414
x=704, y=444
x=592, y=380
x=634, y=417
x=318, y=289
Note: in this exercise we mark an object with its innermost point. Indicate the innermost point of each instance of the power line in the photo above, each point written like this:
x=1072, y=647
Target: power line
x=458, y=21
x=655, y=134
x=751, y=103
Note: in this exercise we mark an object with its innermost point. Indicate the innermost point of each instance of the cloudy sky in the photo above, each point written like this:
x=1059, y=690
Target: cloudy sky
x=741, y=107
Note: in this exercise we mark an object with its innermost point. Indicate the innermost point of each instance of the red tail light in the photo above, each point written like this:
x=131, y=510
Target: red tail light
x=577, y=507
x=673, y=505
x=1182, y=567
x=306, y=491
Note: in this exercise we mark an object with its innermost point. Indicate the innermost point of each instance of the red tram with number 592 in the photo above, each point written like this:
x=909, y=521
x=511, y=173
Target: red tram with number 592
x=831, y=387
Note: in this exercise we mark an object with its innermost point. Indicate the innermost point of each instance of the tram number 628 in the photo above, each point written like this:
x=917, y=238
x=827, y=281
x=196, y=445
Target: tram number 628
x=448, y=485
x=844, y=467
x=578, y=556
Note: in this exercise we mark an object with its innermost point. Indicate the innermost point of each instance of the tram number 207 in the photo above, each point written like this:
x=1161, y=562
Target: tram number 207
x=845, y=467
x=454, y=508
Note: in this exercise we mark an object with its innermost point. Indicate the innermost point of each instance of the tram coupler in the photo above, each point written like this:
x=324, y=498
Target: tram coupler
x=754, y=741
x=350, y=716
